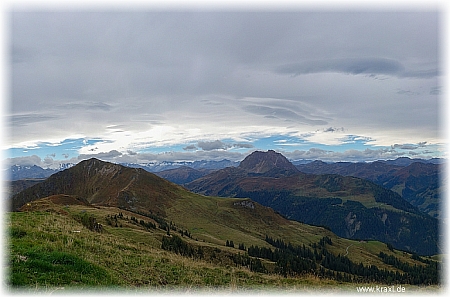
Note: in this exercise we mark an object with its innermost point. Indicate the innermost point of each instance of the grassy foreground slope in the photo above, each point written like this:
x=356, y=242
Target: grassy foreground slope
x=52, y=246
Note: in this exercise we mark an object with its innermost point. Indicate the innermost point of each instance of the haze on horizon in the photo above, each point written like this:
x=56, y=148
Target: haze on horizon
x=145, y=84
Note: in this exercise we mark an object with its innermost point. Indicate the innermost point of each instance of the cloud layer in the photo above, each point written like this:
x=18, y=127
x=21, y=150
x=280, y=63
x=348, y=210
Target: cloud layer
x=211, y=81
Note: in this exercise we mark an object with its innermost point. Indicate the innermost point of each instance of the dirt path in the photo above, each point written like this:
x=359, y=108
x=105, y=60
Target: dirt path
x=346, y=250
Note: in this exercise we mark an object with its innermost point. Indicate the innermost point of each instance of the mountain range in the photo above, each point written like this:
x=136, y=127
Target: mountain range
x=351, y=207
x=17, y=172
x=419, y=183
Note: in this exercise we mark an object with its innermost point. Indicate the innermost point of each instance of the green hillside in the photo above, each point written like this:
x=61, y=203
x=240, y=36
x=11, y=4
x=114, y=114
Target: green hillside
x=56, y=248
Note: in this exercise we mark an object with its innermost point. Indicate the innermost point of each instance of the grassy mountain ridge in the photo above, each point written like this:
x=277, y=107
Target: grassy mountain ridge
x=106, y=184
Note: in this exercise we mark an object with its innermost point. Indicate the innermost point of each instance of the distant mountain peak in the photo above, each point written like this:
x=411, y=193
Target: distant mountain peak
x=263, y=162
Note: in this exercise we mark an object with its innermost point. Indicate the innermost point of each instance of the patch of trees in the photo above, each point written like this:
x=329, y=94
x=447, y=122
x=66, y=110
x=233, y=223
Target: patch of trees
x=112, y=220
x=252, y=263
x=162, y=223
x=159, y=222
x=288, y=263
x=90, y=222
x=414, y=274
x=230, y=243
x=177, y=245
x=185, y=233
x=294, y=260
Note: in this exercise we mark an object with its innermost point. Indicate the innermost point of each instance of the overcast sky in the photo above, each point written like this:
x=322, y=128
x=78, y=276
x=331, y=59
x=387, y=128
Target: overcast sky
x=142, y=84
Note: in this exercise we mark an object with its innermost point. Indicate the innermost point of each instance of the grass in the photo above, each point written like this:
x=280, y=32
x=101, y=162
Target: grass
x=50, y=250
x=45, y=253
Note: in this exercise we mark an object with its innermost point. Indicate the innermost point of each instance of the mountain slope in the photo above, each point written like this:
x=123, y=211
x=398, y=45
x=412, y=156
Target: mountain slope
x=17, y=186
x=351, y=207
x=418, y=183
x=182, y=175
x=102, y=183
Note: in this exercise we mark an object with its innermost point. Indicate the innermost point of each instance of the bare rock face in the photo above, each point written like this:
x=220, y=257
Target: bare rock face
x=352, y=224
x=245, y=203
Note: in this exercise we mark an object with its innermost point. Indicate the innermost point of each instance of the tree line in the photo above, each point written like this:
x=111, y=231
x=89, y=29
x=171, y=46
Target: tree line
x=295, y=260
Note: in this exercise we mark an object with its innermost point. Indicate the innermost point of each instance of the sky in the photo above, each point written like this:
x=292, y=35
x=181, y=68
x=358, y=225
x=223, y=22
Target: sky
x=148, y=83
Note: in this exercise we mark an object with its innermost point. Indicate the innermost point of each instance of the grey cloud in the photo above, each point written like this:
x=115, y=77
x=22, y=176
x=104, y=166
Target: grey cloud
x=217, y=145
x=216, y=155
x=30, y=118
x=350, y=66
x=102, y=155
x=243, y=145
x=131, y=153
x=48, y=161
x=24, y=161
x=427, y=152
x=348, y=155
x=190, y=148
x=435, y=91
x=281, y=113
x=142, y=69
x=407, y=92
x=422, y=144
x=36, y=160
x=409, y=146
x=421, y=73
x=87, y=106
x=212, y=145
x=331, y=129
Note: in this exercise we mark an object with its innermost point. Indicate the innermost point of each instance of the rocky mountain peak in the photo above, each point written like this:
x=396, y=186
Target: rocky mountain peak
x=262, y=162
